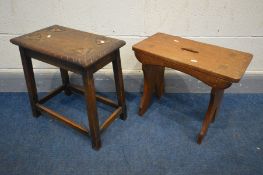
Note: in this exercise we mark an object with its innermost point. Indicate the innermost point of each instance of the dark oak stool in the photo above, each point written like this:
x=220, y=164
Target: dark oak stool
x=215, y=66
x=82, y=53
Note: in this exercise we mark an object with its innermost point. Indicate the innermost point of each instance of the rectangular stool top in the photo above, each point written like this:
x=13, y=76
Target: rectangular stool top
x=222, y=62
x=69, y=45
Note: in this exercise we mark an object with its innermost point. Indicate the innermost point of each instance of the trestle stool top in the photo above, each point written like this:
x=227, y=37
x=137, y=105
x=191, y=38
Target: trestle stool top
x=216, y=61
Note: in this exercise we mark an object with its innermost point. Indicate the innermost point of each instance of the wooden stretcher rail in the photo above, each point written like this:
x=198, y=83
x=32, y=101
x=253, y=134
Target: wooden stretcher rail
x=80, y=90
x=110, y=119
x=62, y=118
x=51, y=94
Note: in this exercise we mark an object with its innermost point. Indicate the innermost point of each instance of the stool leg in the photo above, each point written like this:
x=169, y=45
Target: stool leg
x=65, y=81
x=220, y=97
x=30, y=81
x=159, y=81
x=153, y=80
x=215, y=100
x=90, y=97
x=116, y=64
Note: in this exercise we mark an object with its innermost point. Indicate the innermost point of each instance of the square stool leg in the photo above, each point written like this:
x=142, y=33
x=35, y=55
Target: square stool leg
x=116, y=64
x=65, y=81
x=90, y=97
x=30, y=81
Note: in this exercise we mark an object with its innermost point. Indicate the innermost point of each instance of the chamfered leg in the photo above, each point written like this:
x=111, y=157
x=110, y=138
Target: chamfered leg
x=220, y=97
x=90, y=97
x=65, y=81
x=159, y=81
x=116, y=63
x=215, y=99
x=30, y=81
x=153, y=81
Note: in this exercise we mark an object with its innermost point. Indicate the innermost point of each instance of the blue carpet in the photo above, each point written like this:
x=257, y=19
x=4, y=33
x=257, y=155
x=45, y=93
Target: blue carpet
x=162, y=142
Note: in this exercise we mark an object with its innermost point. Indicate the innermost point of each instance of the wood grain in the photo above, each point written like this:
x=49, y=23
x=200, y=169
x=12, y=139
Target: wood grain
x=220, y=62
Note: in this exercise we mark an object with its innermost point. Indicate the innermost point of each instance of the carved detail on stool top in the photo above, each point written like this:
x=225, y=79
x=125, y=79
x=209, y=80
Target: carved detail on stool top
x=57, y=29
x=34, y=36
x=69, y=45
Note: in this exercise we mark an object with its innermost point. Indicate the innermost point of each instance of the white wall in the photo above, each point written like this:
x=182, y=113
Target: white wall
x=236, y=24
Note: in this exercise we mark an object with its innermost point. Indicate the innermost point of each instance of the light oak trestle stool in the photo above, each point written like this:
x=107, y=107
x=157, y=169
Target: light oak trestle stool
x=216, y=66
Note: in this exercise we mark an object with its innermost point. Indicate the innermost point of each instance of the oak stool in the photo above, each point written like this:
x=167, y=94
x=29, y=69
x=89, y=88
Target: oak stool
x=82, y=53
x=216, y=66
